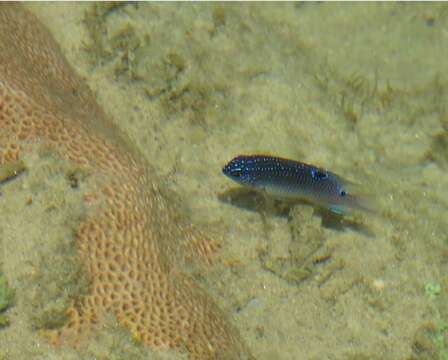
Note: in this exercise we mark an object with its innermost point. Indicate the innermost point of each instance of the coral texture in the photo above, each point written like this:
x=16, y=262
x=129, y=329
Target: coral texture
x=131, y=241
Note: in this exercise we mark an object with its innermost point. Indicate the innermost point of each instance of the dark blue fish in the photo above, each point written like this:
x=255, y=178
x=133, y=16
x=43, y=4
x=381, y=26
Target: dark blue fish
x=293, y=179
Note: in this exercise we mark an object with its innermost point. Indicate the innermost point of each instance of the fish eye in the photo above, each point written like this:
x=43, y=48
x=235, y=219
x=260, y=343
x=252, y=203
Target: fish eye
x=318, y=175
x=237, y=172
x=343, y=193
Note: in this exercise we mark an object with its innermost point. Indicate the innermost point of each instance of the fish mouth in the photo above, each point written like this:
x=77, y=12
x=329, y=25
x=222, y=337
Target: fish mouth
x=234, y=169
x=233, y=172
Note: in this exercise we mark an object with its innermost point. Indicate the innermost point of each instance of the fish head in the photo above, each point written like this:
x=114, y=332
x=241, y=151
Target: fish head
x=240, y=170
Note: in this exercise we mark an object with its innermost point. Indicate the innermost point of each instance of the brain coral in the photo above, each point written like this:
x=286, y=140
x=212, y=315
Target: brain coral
x=131, y=240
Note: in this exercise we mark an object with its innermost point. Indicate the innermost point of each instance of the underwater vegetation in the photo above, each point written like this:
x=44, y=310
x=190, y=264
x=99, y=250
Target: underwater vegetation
x=431, y=340
x=7, y=296
x=176, y=77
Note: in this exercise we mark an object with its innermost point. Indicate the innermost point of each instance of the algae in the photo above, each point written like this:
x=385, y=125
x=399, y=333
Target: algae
x=178, y=78
x=95, y=23
x=431, y=339
x=432, y=290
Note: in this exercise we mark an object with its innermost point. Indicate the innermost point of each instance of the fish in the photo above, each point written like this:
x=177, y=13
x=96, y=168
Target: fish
x=290, y=179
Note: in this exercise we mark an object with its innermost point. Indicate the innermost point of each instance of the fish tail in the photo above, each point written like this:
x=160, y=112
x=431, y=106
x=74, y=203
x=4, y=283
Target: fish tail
x=365, y=202
x=355, y=202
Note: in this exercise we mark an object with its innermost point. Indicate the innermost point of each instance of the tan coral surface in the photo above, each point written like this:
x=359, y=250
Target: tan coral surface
x=131, y=240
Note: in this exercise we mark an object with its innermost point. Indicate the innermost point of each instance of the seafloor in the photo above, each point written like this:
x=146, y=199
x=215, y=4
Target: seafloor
x=360, y=89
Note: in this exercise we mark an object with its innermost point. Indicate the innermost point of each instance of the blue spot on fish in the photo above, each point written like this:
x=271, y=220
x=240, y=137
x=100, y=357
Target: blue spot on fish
x=286, y=178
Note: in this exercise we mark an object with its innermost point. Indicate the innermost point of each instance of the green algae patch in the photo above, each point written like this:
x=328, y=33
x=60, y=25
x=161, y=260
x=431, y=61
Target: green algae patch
x=7, y=297
x=430, y=341
x=431, y=338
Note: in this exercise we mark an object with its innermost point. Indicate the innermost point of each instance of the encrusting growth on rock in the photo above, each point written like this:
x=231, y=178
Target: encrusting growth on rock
x=131, y=241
